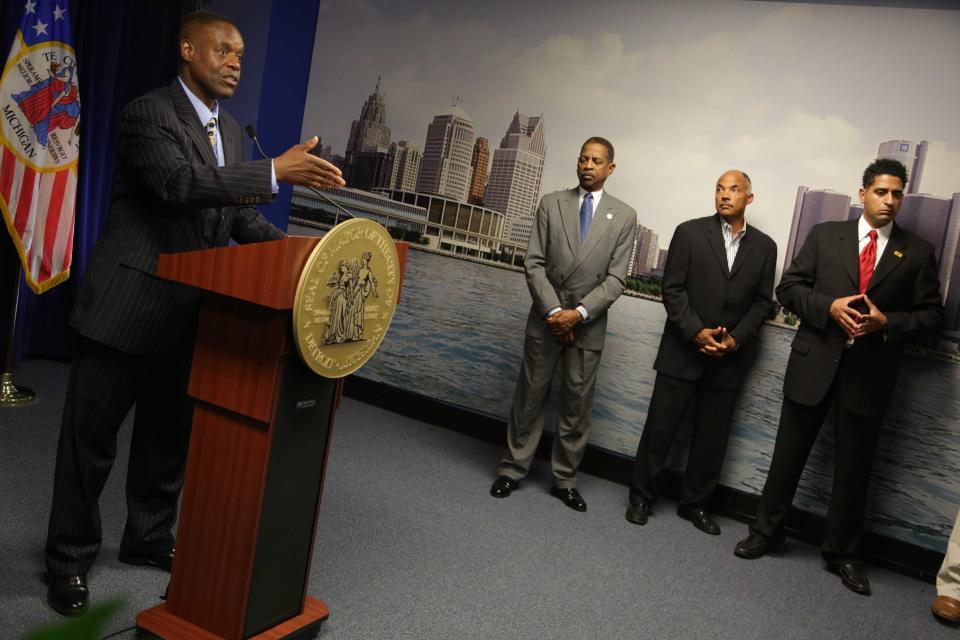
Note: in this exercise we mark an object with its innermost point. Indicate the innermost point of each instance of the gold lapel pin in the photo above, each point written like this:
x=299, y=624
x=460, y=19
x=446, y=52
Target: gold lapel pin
x=898, y=254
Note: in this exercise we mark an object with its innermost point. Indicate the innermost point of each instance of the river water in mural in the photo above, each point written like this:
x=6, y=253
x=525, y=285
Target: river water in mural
x=458, y=337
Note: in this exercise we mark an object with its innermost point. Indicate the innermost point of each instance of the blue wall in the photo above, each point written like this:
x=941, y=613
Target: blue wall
x=278, y=36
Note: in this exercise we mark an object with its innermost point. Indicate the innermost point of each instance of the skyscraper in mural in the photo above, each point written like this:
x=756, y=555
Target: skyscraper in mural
x=404, y=166
x=514, y=185
x=445, y=167
x=950, y=286
x=812, y=207
x=646, y=251
x=370, y=132
x=911, y=154
x=481, y=170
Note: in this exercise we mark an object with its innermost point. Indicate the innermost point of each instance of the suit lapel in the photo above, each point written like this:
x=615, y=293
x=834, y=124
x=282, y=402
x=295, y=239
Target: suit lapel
x=232, y=152
x=597, y=226
x=715, y=240
x=191, y=124
x=743, y=252
x=889, y=260
x=570, y=218
x=848, y=247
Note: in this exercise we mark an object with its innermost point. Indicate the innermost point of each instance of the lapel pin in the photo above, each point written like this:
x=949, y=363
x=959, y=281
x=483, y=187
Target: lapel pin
x=898, y=254
x=609, y=216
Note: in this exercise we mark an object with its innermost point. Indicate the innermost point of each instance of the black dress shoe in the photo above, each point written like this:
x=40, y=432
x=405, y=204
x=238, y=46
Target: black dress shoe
x=851, y=574
x=700, y=519
x=68, y=595
x=160, y=559
x=570, y=497
x=756, y=545
x=637, y=511
x=503, y=486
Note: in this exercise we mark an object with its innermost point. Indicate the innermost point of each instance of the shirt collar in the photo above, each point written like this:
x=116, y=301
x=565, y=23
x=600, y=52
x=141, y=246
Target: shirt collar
x=596, y=194
x=203, y=111
x=726, y=226
x=863, y=229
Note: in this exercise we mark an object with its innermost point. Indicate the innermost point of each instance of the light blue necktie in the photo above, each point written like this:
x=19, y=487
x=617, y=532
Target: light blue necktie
x=586, y=215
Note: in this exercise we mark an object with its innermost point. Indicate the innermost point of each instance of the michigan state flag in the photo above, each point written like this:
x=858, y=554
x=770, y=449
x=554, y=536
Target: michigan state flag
x=40, y=138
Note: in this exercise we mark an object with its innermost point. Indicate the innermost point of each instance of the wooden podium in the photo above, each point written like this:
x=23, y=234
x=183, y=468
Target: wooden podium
x=258, y=453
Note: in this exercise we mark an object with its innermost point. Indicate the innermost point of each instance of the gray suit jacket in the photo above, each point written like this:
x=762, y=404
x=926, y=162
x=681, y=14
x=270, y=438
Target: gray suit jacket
x=168, y=195
x=562, y=272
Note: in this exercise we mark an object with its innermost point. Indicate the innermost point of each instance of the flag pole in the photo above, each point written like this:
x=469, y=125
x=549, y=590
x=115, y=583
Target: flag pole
x=11, y=394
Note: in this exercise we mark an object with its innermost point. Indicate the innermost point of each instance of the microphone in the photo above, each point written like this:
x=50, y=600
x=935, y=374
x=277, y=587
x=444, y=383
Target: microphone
x=252, y=132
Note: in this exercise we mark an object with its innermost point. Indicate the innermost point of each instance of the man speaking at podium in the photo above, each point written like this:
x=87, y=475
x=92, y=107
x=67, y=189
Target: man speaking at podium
x=180, y=183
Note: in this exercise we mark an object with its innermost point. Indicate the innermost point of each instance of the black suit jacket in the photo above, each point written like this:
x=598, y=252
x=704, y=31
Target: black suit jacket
x=699, y=290
x=904, y=286
x=168, y=195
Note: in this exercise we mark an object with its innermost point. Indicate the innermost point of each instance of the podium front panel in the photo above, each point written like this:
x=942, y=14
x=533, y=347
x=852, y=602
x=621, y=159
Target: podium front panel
x=291, y=496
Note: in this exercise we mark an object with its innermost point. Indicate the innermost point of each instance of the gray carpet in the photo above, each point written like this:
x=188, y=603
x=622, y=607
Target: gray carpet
x=411, y=546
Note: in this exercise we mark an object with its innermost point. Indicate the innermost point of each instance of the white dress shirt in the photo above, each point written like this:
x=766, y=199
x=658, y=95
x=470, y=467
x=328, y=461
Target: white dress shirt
x=731, y=241
x=883, y=237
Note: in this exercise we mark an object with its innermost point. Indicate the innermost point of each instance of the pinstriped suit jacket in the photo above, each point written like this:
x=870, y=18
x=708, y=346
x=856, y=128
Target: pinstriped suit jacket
x=168, y=195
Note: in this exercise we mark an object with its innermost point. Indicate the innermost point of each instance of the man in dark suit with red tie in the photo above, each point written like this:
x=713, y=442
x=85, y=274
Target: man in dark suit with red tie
x=181, y=183
x=717, y=290
x=861, y=289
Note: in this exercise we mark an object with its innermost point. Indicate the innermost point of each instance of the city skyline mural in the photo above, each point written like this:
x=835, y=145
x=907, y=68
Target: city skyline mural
x=452, y=120
x=794, y=94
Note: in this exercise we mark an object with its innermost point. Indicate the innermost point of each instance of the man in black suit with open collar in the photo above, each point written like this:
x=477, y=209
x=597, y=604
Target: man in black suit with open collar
x=718, y=290
x=861, y=289
x=180, y=184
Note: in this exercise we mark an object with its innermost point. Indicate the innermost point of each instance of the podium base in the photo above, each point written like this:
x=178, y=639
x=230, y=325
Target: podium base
x=162, y=624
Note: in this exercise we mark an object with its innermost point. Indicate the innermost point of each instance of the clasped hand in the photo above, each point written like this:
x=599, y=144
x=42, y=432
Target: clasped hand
x=854, y=323
x=562, y=323
x=715, y=343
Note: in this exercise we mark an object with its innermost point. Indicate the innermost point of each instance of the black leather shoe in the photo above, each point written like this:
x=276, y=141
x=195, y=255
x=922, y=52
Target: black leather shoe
x=700, y=519
x=570, y=497
x=756, y=545
x=637, y=511
x=162, y=560
x=851, y=574
x=503, y=486
x=68, y=595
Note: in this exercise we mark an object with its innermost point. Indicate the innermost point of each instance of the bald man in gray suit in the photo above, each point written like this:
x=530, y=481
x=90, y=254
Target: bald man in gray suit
x=576, y=267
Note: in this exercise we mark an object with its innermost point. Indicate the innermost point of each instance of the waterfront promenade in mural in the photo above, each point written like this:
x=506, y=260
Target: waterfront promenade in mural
x=458, y=336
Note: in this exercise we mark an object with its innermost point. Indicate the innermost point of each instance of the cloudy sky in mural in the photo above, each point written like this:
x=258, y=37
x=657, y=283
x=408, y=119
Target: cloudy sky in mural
x=795, y=94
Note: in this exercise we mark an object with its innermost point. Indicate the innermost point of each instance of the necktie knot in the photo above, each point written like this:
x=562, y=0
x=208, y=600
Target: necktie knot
x=873, y=235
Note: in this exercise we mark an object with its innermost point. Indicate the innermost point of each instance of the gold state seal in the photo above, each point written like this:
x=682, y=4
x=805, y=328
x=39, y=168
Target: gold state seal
x=346, y=297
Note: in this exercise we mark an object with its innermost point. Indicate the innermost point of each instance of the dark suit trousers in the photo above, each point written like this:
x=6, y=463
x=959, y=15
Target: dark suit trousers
x=104, y=384
x=855, y=443
x=713, y=414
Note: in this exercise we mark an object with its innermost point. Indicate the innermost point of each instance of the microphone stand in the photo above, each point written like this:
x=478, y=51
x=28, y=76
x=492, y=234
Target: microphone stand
x=252, y=132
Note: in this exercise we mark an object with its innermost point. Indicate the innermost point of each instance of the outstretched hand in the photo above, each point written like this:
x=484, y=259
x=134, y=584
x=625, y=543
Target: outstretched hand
x=297, y=165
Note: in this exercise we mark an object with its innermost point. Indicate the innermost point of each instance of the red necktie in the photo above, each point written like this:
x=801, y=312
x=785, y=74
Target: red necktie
x=867, y=257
